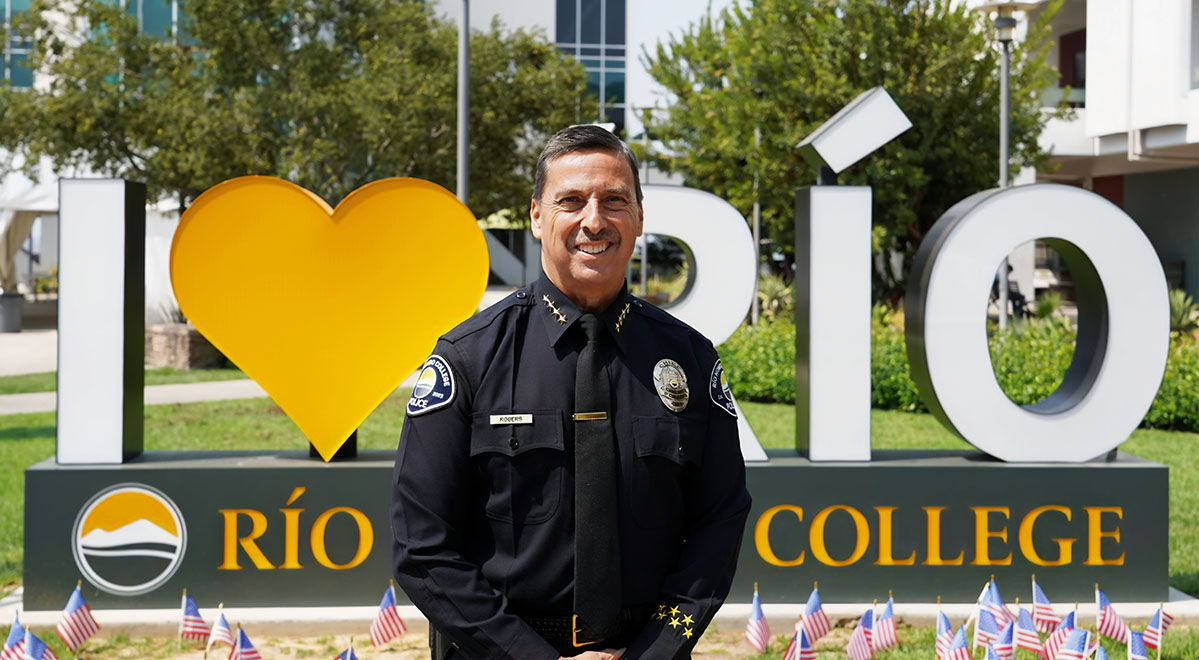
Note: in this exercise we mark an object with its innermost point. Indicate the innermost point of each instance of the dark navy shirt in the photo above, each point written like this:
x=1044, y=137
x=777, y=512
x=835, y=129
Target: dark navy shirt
x=483, y=501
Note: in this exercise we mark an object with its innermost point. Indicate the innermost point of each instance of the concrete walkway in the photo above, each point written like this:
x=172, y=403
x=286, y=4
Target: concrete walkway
x=28, y=352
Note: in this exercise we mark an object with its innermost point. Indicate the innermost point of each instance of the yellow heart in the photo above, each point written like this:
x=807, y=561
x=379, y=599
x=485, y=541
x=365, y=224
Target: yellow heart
x=329, y=310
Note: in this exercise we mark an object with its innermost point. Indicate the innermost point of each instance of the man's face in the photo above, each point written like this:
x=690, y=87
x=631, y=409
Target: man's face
x=587, y=220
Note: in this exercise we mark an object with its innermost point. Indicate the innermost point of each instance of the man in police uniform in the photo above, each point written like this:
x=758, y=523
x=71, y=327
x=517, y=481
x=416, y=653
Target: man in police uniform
x=569, y=481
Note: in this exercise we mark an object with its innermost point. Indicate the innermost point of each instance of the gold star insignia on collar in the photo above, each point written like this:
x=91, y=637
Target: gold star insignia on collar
x=687, y=633
x=554, y=308
x=687, y=619
x=620, y=319
x=674, y=610
x=674, y=622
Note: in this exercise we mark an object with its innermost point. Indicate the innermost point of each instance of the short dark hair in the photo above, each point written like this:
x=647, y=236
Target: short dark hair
x=583, y=137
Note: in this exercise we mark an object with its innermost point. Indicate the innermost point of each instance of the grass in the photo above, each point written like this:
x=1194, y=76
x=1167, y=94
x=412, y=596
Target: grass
x=260, y=424
x=46, y=381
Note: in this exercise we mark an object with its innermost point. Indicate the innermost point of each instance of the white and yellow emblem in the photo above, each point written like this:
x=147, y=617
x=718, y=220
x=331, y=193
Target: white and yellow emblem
x=671, y=382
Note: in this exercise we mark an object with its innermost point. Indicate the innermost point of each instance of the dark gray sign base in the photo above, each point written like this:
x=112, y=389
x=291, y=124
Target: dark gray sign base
x=277, y=528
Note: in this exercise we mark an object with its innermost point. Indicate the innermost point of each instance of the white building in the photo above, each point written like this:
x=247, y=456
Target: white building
x=1133, y=70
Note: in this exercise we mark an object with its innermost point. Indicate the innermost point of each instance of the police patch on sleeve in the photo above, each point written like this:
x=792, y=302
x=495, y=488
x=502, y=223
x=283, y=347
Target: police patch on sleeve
x=722, y=395
x=434, y=387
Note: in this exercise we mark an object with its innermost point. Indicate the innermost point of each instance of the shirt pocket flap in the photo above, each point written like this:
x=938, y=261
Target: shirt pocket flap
x=515, y=439
x=657, y=436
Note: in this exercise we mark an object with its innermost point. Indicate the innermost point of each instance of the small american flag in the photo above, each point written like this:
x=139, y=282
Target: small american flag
x=957, y=648
x=985, y=629
x=192, y=625
x=243, y=649
x=14, y=643
x=885, y=635
x=992, y=654
x=815, y=621
x=387, y=624
x=76, y=624
x=994, y=604
x=1157, y=628
x=799, y=648
x=1025, y=632
x=1100, y=653
x=220, y=632
x=1077, y=645
x=860, y=646
x=347, y=654
x=1136, y=646
x=757, y=633
x=35, y=649
x=1110, y=624
x=944, y=634
x=1042, y=610
x=1003, y=644
x=1059, y=635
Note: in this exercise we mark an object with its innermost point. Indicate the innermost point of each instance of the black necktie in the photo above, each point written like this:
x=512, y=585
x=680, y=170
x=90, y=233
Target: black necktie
x=597, y=544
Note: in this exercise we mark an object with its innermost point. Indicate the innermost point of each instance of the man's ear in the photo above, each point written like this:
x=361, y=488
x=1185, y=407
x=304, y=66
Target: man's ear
x=535, y=219
x=640, y=219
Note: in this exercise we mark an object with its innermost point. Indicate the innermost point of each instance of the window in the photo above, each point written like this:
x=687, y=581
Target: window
x=16, y=48
x=594, y=32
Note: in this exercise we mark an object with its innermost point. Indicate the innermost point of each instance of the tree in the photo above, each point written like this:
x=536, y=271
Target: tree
x=785, y=66
x=329, y=94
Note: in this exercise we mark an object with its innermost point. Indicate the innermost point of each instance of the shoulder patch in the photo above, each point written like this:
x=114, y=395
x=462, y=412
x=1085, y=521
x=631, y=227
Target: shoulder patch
x=718, y=387
x=434, y=387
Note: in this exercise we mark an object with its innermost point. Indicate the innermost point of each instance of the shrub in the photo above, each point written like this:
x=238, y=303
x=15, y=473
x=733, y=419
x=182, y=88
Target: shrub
x=760, y=361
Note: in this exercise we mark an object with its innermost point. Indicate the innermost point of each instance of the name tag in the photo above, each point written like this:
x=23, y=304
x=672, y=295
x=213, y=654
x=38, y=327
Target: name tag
x=511, y=419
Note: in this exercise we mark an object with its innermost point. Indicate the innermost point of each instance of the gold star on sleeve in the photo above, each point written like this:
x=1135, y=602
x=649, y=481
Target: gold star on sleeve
x=687, y=620
x=687, y=633
x=674, y=622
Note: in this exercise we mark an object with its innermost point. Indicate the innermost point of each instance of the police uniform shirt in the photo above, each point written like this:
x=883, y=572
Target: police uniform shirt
x=483, y=499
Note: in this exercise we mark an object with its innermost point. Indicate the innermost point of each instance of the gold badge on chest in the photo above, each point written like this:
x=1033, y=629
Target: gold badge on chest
x=671, y=382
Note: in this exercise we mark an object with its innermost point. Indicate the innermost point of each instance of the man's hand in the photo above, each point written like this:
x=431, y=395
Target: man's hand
x=606, y=654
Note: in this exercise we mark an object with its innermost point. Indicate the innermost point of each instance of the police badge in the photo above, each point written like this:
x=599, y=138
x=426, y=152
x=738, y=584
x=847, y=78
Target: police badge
x=672, y=384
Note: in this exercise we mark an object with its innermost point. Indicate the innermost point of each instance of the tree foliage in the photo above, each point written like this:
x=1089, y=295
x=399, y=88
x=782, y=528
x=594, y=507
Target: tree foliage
x=329, y=94
x=785, y=66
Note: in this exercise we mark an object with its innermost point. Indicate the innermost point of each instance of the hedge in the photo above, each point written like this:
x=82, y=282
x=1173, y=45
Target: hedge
x=1029, y=361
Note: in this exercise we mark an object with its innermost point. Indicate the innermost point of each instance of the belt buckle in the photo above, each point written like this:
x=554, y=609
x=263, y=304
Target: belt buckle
x=574, y=633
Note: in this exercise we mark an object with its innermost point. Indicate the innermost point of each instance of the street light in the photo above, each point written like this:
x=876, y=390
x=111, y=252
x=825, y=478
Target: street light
x=1004, y=24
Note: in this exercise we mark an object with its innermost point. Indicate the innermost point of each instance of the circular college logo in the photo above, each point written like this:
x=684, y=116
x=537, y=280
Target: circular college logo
x=129, y=539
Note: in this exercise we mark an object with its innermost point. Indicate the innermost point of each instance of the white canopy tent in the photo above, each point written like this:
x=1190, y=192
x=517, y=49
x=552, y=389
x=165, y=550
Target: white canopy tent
x=23, y=200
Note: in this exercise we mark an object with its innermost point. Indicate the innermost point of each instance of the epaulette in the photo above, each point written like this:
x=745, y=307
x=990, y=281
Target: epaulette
x=483, y=319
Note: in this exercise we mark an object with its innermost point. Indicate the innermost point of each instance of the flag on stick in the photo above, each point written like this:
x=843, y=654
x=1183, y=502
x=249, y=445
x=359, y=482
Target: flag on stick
x=1077, y=645
x=1059, y=635
x=220, y=631
x=1025, y=632
x=944, y=634
x=15, y=642
x=799, y=648
x=994, y=604
x=77, y=623
x=1157, y=628
x=1003, y=644
x=243, y=649
x=860, y=645
x=1136, y=646
x=957, y=648
x=347, y=654
x=885, y=634
x=1110, y=624
x=986, y=630
x=387, y=624
x=35, y=649
x=1042, y=609
x=757, y=633
x=815, y=621
x=192, y=625
x=992, y=654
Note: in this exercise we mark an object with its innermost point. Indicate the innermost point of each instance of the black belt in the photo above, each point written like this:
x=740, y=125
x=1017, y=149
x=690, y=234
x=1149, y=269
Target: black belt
x=563, y=633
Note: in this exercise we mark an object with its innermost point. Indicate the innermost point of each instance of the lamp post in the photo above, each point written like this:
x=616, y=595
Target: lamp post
x=1004, y=24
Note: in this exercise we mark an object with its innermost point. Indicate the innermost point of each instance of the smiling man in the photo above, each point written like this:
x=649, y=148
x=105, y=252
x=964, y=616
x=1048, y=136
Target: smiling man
x=569, y=481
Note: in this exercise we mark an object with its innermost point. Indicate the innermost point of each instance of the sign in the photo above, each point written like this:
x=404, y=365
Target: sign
x=257, y=529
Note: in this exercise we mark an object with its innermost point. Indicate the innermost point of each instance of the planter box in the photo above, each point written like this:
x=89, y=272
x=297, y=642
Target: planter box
x=181, y=346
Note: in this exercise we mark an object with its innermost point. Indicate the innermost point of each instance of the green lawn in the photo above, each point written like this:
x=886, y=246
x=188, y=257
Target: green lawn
x=45, y=381
x=259, y=424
